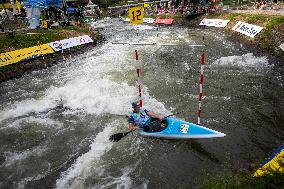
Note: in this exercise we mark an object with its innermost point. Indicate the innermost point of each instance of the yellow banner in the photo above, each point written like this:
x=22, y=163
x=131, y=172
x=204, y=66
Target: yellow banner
x=22, y=54
x=136, y=15
x=146, y=5
x=272, y=165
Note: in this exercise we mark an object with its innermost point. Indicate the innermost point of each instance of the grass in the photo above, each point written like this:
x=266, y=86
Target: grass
x=256, y=18
x=230, y=179
x=23, y=40
x=213, y=15
x=245, y=181
x=232, y=16
x=275, y=21
x=19, y=41
x=266, y=38
x=77, y=28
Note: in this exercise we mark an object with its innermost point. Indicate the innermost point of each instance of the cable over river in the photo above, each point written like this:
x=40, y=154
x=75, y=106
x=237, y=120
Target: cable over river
x=55, y=123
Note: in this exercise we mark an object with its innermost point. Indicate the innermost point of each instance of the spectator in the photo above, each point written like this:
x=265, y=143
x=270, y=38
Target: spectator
x=1, y=20
x=263, y=5
x=1, y=23
x=180, y=8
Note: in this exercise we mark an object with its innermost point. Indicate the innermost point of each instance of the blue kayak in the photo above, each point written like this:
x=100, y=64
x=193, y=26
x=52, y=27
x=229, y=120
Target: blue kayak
x=178, y=129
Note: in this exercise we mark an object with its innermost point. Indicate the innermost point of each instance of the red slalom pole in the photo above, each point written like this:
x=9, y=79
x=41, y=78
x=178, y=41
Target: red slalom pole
x=201, y=78
x=138, y=71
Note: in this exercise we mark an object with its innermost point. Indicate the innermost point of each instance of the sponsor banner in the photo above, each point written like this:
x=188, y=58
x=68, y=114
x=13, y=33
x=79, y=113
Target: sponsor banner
x=62, y=44
x=214, y=22
x=202, y=23
x=84, y=39
x=167, y=21
x=146, y=5
x=23, y=54
x=282, y=46
x=126, y=19
x=247, y=29
x=149, y=20
x=71, y=42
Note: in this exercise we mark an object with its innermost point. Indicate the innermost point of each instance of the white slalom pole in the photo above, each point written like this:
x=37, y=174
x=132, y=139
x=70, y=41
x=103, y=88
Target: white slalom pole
x=138, y=71
x=62, y=54
x=200, y=88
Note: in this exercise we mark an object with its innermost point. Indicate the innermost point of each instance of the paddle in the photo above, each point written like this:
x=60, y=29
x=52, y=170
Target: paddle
x=118, y=136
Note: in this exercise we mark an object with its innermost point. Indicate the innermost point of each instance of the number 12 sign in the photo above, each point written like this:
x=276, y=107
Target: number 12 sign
x=136, y=15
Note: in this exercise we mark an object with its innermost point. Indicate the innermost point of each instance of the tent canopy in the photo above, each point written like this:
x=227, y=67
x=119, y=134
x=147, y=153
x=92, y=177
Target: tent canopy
x=72, y=10
x=43, y=3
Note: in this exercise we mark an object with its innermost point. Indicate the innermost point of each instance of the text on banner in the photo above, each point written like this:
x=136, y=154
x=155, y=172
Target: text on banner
x=22, y=54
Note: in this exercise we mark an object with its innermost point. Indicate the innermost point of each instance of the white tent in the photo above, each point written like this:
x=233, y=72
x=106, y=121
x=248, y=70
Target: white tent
x=91, y=8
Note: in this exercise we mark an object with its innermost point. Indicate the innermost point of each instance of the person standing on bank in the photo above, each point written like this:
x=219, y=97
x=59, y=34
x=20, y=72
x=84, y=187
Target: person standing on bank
x=141, y=118
x=1, y=27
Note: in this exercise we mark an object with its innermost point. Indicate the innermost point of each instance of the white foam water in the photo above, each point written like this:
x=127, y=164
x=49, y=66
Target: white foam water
x=124, y=181
x=86, y=85
x=43, y=121
x=13, y=157
x=74, y=177
x=244, y=61
x=23, y=182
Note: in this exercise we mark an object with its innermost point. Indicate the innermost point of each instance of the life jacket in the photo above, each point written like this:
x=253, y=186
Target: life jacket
x=140, y=119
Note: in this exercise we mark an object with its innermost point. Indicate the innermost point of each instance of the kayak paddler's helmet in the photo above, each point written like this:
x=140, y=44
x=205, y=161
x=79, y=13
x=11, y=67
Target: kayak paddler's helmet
x=135, y=104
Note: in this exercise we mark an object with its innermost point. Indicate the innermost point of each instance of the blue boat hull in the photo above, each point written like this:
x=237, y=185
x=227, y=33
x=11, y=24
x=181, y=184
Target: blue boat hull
x=178, y=129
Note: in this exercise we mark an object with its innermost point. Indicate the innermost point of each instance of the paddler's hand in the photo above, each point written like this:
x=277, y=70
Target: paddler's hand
x=135, y=128
x=132, y=127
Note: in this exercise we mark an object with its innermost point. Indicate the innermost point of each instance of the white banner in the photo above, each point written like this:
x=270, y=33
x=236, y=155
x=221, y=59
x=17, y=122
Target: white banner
x=214, y=22
x=282, y=46
x=149, y=20
x=247, y=29
x=126, y=20
x=84, y=39
x=71, y=42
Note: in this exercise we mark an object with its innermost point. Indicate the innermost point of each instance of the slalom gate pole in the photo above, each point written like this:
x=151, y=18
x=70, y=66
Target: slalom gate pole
x=201, y=78
x=138, y=71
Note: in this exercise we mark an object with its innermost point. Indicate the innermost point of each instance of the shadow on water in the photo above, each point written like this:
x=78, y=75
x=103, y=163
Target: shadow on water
x=194, y=145
x=187, y=145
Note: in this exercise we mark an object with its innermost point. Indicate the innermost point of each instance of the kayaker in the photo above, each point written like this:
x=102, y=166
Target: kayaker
x=141, y=118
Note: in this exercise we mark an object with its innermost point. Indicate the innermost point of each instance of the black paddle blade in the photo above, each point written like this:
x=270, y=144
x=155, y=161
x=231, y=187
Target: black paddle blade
x=116, y=137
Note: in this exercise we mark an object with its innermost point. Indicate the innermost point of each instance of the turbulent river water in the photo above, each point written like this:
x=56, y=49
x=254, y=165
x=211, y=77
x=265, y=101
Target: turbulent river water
x=55, y=123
